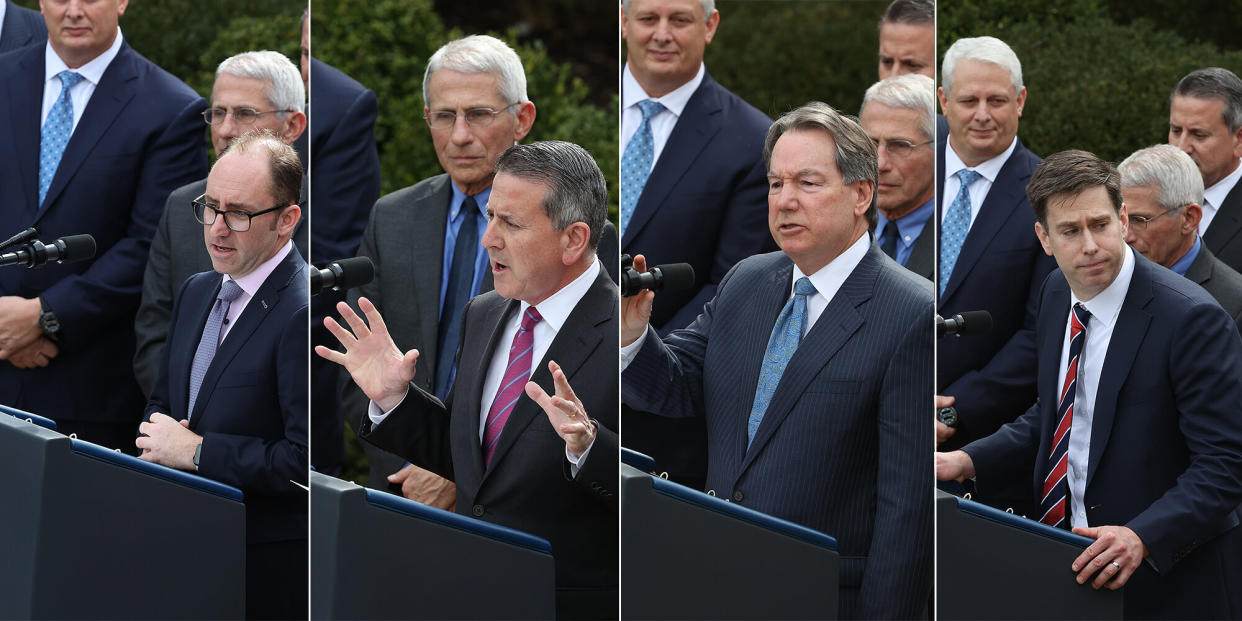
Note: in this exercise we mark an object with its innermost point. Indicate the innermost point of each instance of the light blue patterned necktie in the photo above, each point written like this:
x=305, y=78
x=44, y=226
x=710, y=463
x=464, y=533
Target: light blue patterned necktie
x=56, y=132
x=786, y=335
x=637, y=161
x=955, y=226
x=211, y=339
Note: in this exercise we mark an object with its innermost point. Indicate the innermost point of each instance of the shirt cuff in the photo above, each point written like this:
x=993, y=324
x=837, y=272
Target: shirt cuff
x=630, y=351
x=377, y=416
x=575, y=462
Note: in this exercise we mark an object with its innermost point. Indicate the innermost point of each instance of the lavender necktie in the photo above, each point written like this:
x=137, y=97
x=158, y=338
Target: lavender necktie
x=514, y=383
x=211, y=338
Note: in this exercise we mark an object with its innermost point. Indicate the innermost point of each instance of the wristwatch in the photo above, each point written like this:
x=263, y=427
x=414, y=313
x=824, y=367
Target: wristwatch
x=198, y=452
x=47, y=320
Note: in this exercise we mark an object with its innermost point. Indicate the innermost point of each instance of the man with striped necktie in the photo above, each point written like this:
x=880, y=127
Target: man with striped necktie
x=1136, y=439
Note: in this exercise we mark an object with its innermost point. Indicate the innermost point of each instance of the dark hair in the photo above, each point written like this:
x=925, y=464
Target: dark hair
x=1071, y=172
x=913, y=12
x=577, y=191
x=1215, y=83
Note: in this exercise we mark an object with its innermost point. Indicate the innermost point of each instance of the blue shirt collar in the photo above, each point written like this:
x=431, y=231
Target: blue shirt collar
x=1183, y=263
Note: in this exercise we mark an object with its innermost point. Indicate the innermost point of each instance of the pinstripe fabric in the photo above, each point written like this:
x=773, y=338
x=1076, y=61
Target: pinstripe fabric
x=843, y=446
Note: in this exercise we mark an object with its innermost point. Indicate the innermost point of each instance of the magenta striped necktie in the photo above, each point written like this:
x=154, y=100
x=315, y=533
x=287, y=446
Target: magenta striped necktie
x=1055, y=501
x=514, y=383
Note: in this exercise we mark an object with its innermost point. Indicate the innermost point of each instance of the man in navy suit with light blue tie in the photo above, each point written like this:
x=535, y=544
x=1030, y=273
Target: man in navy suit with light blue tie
x=1135, y=440
x=231, y=402
x=988, y=258
x=95, y=138
x=690, y=162
x=812, y=367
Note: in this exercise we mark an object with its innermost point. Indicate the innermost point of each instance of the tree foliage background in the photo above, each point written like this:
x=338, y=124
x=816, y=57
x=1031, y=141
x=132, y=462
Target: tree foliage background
x=1099, y=73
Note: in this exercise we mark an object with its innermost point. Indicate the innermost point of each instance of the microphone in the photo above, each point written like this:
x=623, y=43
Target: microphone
x=342, y=274
x=36, y=254
x=969, y=322
x=673, y=277
x=21, y=238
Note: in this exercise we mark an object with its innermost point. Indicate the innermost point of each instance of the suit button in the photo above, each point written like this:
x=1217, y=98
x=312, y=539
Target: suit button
x=477, y=511
x=737, y=496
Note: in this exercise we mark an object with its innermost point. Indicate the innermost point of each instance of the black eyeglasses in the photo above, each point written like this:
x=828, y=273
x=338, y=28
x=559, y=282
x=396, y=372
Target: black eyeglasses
x=1140, y=222
x=238, y=221
x=899, y=148
x=241, y=116
x=475, y=117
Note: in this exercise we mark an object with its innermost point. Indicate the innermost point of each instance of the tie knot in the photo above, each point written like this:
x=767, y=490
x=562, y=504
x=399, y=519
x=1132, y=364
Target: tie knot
x=967, y=177
x=1082, y=314
x=469, y=206
x=530, y=318
x=650, y=108
x=69, y=78
x=230, y=291
x=804, y=286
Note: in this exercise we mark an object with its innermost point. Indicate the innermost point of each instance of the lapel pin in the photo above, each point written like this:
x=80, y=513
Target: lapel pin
x=264, y=303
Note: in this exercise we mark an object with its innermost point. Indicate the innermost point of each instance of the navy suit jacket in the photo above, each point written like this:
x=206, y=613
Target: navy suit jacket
x=252, y=405
x=1166, y=440
x=22, y=27
x=841, y=447
x=140, y=137
x=527, y=484
x=999, y=269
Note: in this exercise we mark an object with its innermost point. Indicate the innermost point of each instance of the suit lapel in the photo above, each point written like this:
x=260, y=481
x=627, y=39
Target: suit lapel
x=576, y=341
x=182, y=352
x=1200, y=270
x=922, y=259
x=698, y=123
x=25, y=105
x=834, y=328
x=425, y=253
x=115, y=90
x=1228, y=221
x=1128, y=334
x=497, y=317
x=1054, y=312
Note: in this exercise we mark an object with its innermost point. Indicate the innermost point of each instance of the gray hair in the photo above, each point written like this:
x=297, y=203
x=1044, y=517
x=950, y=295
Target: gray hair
x=912, y=91
x=1168, y=170
x=912, y=12
x=285, y=90
x=480, y=54
x=856, y=155
x=1215, y=83
x=577, y=191
x=984, y=50
x=709, y=7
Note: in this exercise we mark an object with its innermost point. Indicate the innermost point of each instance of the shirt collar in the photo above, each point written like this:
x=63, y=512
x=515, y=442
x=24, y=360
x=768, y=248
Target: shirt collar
x=1106, y=305
x=989, y=168
x=1181, y=265
x=459, y=198
x=1217, y=193
x=632, y=92
x=910, y=223
x=829, y=278
x=557, y=307
x=92, y=71
x=251, y=282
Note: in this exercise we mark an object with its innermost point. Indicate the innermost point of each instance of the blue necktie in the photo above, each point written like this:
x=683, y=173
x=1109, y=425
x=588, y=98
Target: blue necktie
x=211, y=338
x=637, y=161
x=56, y=131
x=955, y=226
x=786, y=335
x=888, y=240
x=461, y=278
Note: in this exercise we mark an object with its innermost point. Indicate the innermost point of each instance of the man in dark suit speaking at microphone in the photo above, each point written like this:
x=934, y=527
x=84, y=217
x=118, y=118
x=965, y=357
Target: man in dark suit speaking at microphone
x=542, y=464
x=1135, y=440
x=812, y=368
x=231, y=399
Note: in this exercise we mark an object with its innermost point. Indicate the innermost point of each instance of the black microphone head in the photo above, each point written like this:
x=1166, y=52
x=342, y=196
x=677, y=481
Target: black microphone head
x=975, y=322
x=75, y=248
x=355, y=272
x=676, y=276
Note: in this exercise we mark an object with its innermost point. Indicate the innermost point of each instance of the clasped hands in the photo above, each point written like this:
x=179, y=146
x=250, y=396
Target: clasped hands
x=21, y=341
x=168, y=442
x=384, y=373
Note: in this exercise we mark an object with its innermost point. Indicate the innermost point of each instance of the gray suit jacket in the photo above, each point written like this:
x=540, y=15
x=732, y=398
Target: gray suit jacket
x=177, y=252
x=1220, y=280
x=922, y=259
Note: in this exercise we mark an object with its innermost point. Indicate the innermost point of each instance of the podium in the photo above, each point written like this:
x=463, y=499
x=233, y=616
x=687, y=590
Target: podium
x=992, y=564
x=688, y=555
x=88, y=532
x=380, y=556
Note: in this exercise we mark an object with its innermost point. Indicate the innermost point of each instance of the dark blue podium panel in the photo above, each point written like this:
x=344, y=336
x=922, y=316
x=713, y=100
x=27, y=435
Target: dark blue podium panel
x=991, y=564
x=28, y=417
x=91, y=533
x=380, y=556
x=639, y=461
x=688, y=555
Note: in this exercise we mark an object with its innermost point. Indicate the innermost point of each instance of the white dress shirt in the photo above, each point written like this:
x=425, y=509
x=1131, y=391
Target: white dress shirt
x=988, y=171
x=250, y=284
x=827, y=280
x=662, y=123
x=1104, y=308
x=81, y=93
x=1215, y=195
